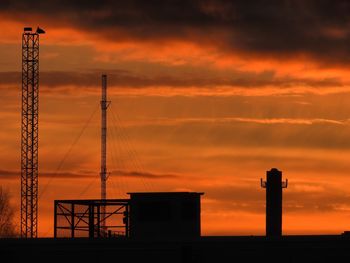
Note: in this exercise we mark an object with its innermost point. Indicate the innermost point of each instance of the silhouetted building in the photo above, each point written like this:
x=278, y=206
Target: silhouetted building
x=274, y=185
x=165, y=215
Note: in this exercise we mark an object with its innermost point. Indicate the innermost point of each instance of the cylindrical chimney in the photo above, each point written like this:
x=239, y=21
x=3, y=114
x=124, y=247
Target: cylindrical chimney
x=274, y=185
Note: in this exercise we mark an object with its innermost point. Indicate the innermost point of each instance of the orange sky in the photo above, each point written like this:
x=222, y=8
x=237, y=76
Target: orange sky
x=191, y=110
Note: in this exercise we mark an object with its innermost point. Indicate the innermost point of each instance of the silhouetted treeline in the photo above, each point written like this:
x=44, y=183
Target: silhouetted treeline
x=7, y=225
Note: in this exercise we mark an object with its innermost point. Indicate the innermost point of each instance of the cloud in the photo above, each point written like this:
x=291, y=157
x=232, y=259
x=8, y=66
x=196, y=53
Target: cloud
x=11, y=174
x=300, y=197
x=321, y=198
x=295, y=121
x=280, y=28
x=123, y=78
x=247, y=132
x=148, y=175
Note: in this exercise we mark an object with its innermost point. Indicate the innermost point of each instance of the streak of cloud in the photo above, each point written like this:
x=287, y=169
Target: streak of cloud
x=122, y=78
x=12, y=174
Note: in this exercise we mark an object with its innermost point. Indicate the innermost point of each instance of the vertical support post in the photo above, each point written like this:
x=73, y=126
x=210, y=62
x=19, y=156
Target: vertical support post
x=55, y=220
x=91, y=221
x=103, y=136
x=274, y=186
x=72, y=221
x=127, y=222
x=99, y=234
x=103, y=173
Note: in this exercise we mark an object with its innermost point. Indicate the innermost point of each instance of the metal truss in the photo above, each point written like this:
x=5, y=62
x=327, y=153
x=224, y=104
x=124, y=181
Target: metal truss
x=91, y=218
x=29, y=134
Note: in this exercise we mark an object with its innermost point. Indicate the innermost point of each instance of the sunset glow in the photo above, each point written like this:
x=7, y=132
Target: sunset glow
x=205, y=97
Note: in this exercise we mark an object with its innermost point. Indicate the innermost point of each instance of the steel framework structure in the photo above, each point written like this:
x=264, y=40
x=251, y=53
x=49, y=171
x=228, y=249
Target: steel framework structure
x=84, y=218
x=29, y=133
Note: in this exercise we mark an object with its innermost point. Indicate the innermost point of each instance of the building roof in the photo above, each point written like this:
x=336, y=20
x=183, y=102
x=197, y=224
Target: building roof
x=166, y=193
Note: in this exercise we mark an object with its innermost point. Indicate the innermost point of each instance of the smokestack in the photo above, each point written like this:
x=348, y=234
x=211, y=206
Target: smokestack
x=274, y=185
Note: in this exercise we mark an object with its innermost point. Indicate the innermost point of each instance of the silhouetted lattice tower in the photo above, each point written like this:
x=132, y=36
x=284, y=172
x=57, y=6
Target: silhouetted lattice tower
x=29, y=132
x=103, y=173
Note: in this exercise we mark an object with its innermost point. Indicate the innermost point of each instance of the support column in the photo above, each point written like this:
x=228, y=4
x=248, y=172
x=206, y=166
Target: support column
x=274, y=186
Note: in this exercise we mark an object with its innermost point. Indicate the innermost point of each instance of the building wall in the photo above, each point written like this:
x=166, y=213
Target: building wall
x=164, y=215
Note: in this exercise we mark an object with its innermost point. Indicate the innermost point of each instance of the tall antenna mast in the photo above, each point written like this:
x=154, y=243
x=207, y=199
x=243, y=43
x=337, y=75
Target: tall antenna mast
x=103, y=173
x=29, y=132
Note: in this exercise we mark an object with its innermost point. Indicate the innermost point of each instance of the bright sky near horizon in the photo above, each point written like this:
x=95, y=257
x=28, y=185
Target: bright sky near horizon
x=206, y=96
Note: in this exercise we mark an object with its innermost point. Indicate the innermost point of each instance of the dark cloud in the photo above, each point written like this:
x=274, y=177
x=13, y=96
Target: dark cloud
x=148, y=175
x=121, y=78
x=283, y=28
x=89, y=174
x=10, y=174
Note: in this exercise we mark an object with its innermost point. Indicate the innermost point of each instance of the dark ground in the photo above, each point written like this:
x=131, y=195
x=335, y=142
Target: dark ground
x=205, y=249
